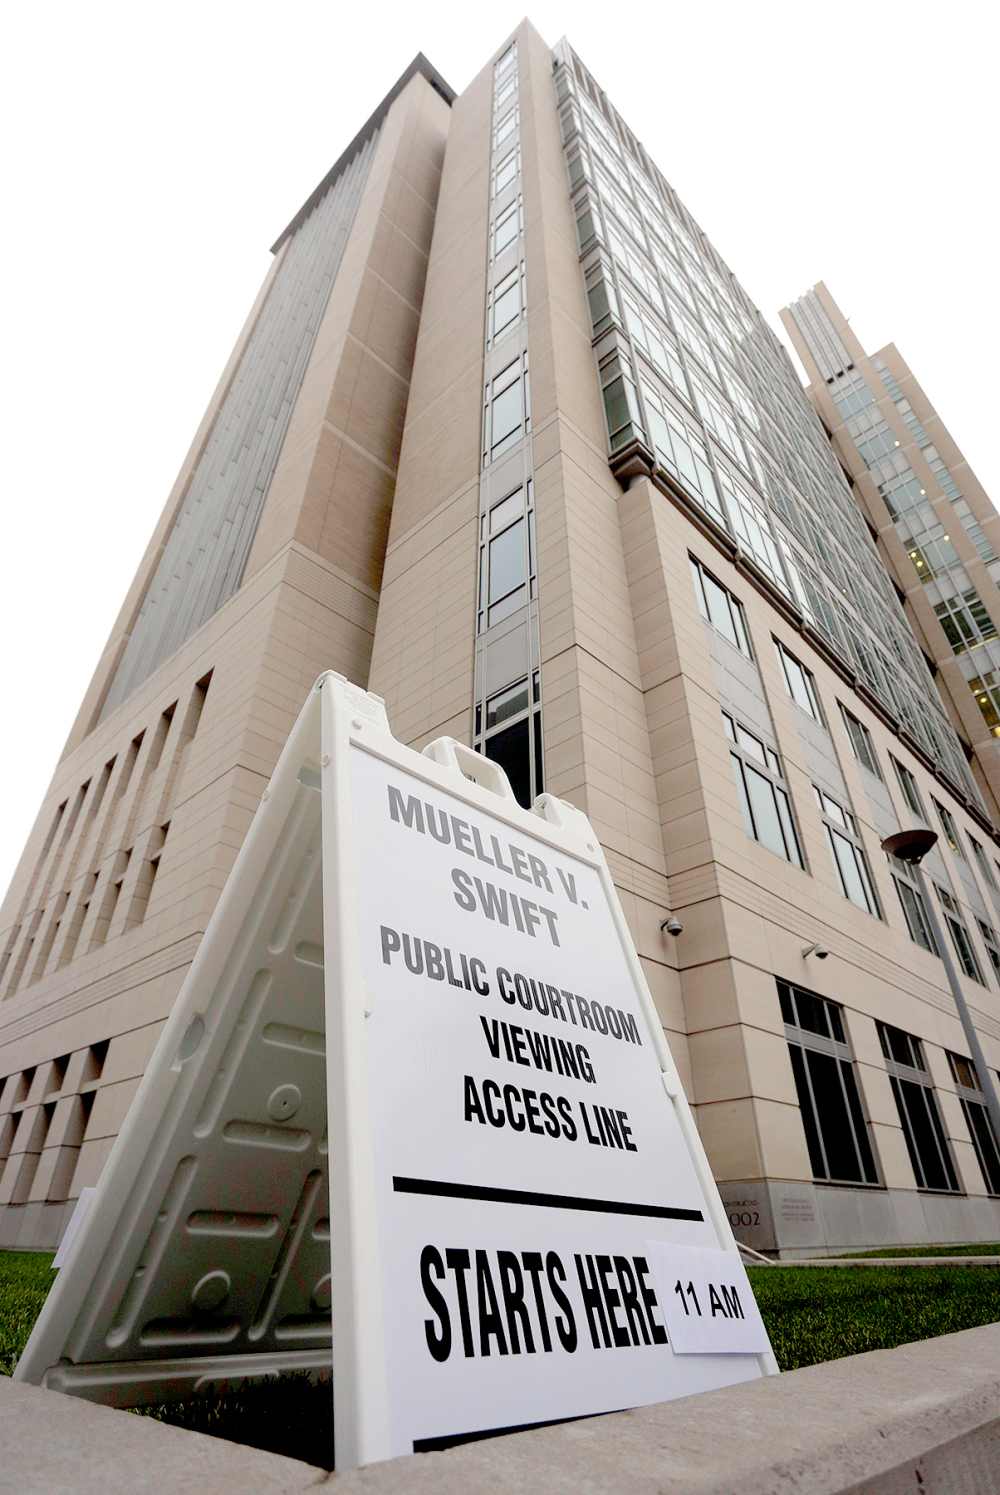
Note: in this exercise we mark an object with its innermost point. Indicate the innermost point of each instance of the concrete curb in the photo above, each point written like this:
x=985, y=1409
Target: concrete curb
x=922, y=1417
x=52, y=1444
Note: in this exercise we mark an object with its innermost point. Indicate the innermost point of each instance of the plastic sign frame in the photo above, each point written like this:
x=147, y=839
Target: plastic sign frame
x=384, y=913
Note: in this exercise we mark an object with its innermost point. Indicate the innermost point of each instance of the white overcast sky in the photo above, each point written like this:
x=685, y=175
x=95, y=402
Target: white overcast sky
x=152, y=153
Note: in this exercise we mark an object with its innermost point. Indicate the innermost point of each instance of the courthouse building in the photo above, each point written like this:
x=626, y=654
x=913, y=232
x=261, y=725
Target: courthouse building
x=504, y=440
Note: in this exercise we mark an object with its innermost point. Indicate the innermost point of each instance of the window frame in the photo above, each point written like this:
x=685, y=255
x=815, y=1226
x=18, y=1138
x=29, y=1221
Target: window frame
x=515, y=211
x=496, y=386
x=740, y=639
x=841, y=825
x=949, y=828
x=512, y=281
x=909, y=789
x=510, y=159
x=767, y=767
x=982, y=861
x=811, y=704
x=973, y=1102
x=988, y=935
x=835, y=1046
x=961, y=937
x=915, y=1074
x=494, y=610
x=530, y=714
x=904, y=880
x=862, y=745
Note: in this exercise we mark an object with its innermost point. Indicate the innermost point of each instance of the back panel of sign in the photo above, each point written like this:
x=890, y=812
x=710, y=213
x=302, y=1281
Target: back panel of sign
x=207, y=1251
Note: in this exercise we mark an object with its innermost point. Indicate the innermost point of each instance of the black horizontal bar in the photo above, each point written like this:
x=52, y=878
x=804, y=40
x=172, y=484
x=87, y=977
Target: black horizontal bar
x=548, y=1201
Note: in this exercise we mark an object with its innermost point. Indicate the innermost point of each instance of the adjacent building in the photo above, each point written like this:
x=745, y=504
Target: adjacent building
x=506, y=441
x=938, y=533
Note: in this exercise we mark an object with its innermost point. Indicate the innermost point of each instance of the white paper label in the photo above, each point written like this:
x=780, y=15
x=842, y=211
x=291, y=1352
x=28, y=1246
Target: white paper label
x=707, y=1301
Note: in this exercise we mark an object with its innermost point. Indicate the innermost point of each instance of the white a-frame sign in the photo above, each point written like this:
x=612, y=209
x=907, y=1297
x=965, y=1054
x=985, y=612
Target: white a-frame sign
x=416, y=1057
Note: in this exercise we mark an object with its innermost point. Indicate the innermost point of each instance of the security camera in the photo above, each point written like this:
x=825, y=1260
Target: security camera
x=820, y=952
x=672, y=925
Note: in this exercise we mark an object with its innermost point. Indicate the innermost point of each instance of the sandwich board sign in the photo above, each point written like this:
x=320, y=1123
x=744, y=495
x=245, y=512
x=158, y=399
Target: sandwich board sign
x=414, y=1086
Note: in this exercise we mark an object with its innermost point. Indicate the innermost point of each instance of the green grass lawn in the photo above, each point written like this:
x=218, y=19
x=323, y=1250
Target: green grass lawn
x=847, y=1311
x=812, y=1315
x=25, y=1279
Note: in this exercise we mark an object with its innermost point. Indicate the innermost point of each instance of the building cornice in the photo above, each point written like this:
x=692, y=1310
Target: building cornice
x=419, y=66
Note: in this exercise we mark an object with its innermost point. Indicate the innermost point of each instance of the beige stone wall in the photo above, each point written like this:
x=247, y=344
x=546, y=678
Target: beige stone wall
x=424, y=641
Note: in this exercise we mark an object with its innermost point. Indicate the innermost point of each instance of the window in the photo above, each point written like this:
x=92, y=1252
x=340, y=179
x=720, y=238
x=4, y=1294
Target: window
x=507, y=416
x=751, y=524
x=913, y=1090
x=861, y=742
x=505, y=171
x=963, y=616
x=506, y=557
x=507, y=563
x=848, y=853
x=800, y=683
x=837, y=1135
x=509, y=731
x=682, y=452
x=960, y=936
x=504, y=92
x=506, y=61
x=950, y=829
x=621, y=403
x=977, y=1119
x=507, y=300
x=989, y=935
x=912, y=902
x=909, y=790
x=506, y=228
x=601, y=297
x=983, y=863
x=504, y=128
x=767, y=811
x=720, y=608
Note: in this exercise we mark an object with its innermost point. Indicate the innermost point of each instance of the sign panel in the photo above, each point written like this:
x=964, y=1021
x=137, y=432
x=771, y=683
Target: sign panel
x=413, y=1089
x=525, y=1147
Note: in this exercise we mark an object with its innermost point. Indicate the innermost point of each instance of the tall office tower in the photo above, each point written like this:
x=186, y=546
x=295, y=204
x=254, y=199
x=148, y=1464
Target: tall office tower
x=623, y=561
x=938, y=532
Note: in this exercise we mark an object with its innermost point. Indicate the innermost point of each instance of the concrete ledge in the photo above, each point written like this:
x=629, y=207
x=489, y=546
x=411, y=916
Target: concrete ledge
x=887, y=1261
x=52, y=1444
x=924, y=1417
